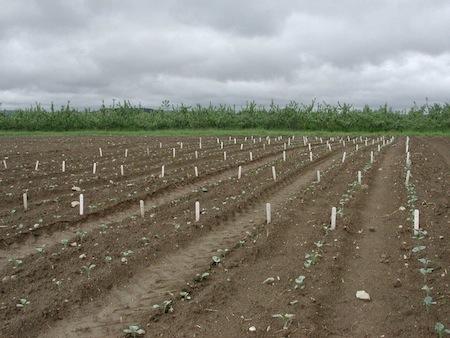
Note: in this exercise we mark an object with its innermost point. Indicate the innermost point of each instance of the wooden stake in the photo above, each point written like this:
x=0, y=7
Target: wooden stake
x=94, y=168
x=196, y=171
x=359, y=177
x=63, y=166
x=371, y=156
x=318, y=176
x=81, y=204
x=126, y=152
x=224, y=155
x=311, y=156
x=251, y=156
x=25, y=201
x=37, y=166
x=239, y=172
x=122, y=172
x=173, y=152
x=416, y=222
x=268, y=213
x=162, y=171
x=5, y=165
x=100, y=151
x=141, y=205
x=197, y=211
x=343, y=156
x=274, y=173
x=333, y=218
x=284, y=155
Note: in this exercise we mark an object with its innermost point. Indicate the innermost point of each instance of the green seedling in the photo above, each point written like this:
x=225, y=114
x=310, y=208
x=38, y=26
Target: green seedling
x=319, y=244
x=185, y=295
x=428, y=302
x=145, y=240
x=299, y=281
x=222, y=252
x=441, y=330
x=216, y=259
x=58, y=283
x=81, y=235
x=134, y=331
x=425, y=272
x=108, y=259
x=424, y=261
x=127, y=253
x=103, y=227
x=202, y=276
x=22, y=303
x=164, y=306
x=64, y=242
x=418, y=248
x=88, y=269
x=40, y=250
x=311, y=259
x=420, y=234
x=15, y=261
x=427, y=289
x=286, y=318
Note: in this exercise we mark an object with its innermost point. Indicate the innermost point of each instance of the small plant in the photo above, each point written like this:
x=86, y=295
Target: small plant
x=64, y=242
x=202, y=276
x=127, y=253
x=441, y=330
x=15, y=261
x=311, y=259
x=299, y=281
x=88, y=269
x=425, y=272
x=185, y=295
x=216, y=259
x=222, y=252
x=22, y=303
x=58, y=283
x=418, y=248
x=40, y=250
x=103, y=227
x=420, y=234
x=81, y=234
x=108, y=259
x=134, y=331
x=428, y=302
x=286, y=318
x=145, y=240
x=164, y=306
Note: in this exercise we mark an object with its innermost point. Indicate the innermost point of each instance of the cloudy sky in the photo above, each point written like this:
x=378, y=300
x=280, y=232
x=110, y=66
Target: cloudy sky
x=224, y=52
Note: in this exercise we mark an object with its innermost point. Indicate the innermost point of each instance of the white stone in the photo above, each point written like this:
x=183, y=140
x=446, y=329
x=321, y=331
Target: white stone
x=252, y=329
x=362, y=295
x=74, y=188
x=74, y=204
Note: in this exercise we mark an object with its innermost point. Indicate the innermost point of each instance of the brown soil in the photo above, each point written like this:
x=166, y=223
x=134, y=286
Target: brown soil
x=260, y=264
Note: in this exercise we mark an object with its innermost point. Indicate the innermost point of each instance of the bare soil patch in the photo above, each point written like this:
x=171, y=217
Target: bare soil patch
x=295, y=266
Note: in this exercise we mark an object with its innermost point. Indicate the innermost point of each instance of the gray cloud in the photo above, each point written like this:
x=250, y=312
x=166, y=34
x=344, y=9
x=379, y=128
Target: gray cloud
x=224, y=51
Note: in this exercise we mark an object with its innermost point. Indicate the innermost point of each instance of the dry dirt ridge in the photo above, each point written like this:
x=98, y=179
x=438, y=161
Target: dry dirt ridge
x=112, y=273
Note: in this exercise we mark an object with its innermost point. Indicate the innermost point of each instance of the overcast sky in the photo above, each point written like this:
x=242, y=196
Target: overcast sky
x=224, y=52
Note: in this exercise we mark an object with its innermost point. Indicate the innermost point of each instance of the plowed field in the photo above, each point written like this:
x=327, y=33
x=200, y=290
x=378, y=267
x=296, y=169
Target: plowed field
x=233, y=272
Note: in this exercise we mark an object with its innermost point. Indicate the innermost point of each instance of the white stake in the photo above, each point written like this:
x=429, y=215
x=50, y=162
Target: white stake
x=141, y=204
x=310, y=156
x=173, y=152
x=25, y=201
x=329, y=146
x=242, y=146
x=284, y=146
x=357, y=147
x=148, y=152
x=160, y=145
x=94, y=168
x=359, y=177
x=371, y=156
x=343, y=156
x=196, y=154
x=251, y=156
x=379, y=148
x=416, y=222
x=268, y=213
x=5, y=165
x=196, y=171
x=221, y=145
x=181, y=145
x=408, y=159
x=343, y=143
x=224, y=155
x=318, y=176
x=239, y=172
x=37, y=166
x=81, y=204
x=100, y=151
x=333, y=218
x=162, y=171
x=408, y=175
x=126, y=152
x=284, y=155
x=274, y=173
x=122, y=172
x=197, y=211
x=63, y=166
x=309, y=146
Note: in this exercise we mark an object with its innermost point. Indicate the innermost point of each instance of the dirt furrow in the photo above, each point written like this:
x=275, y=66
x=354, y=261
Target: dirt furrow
x=148, y=287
